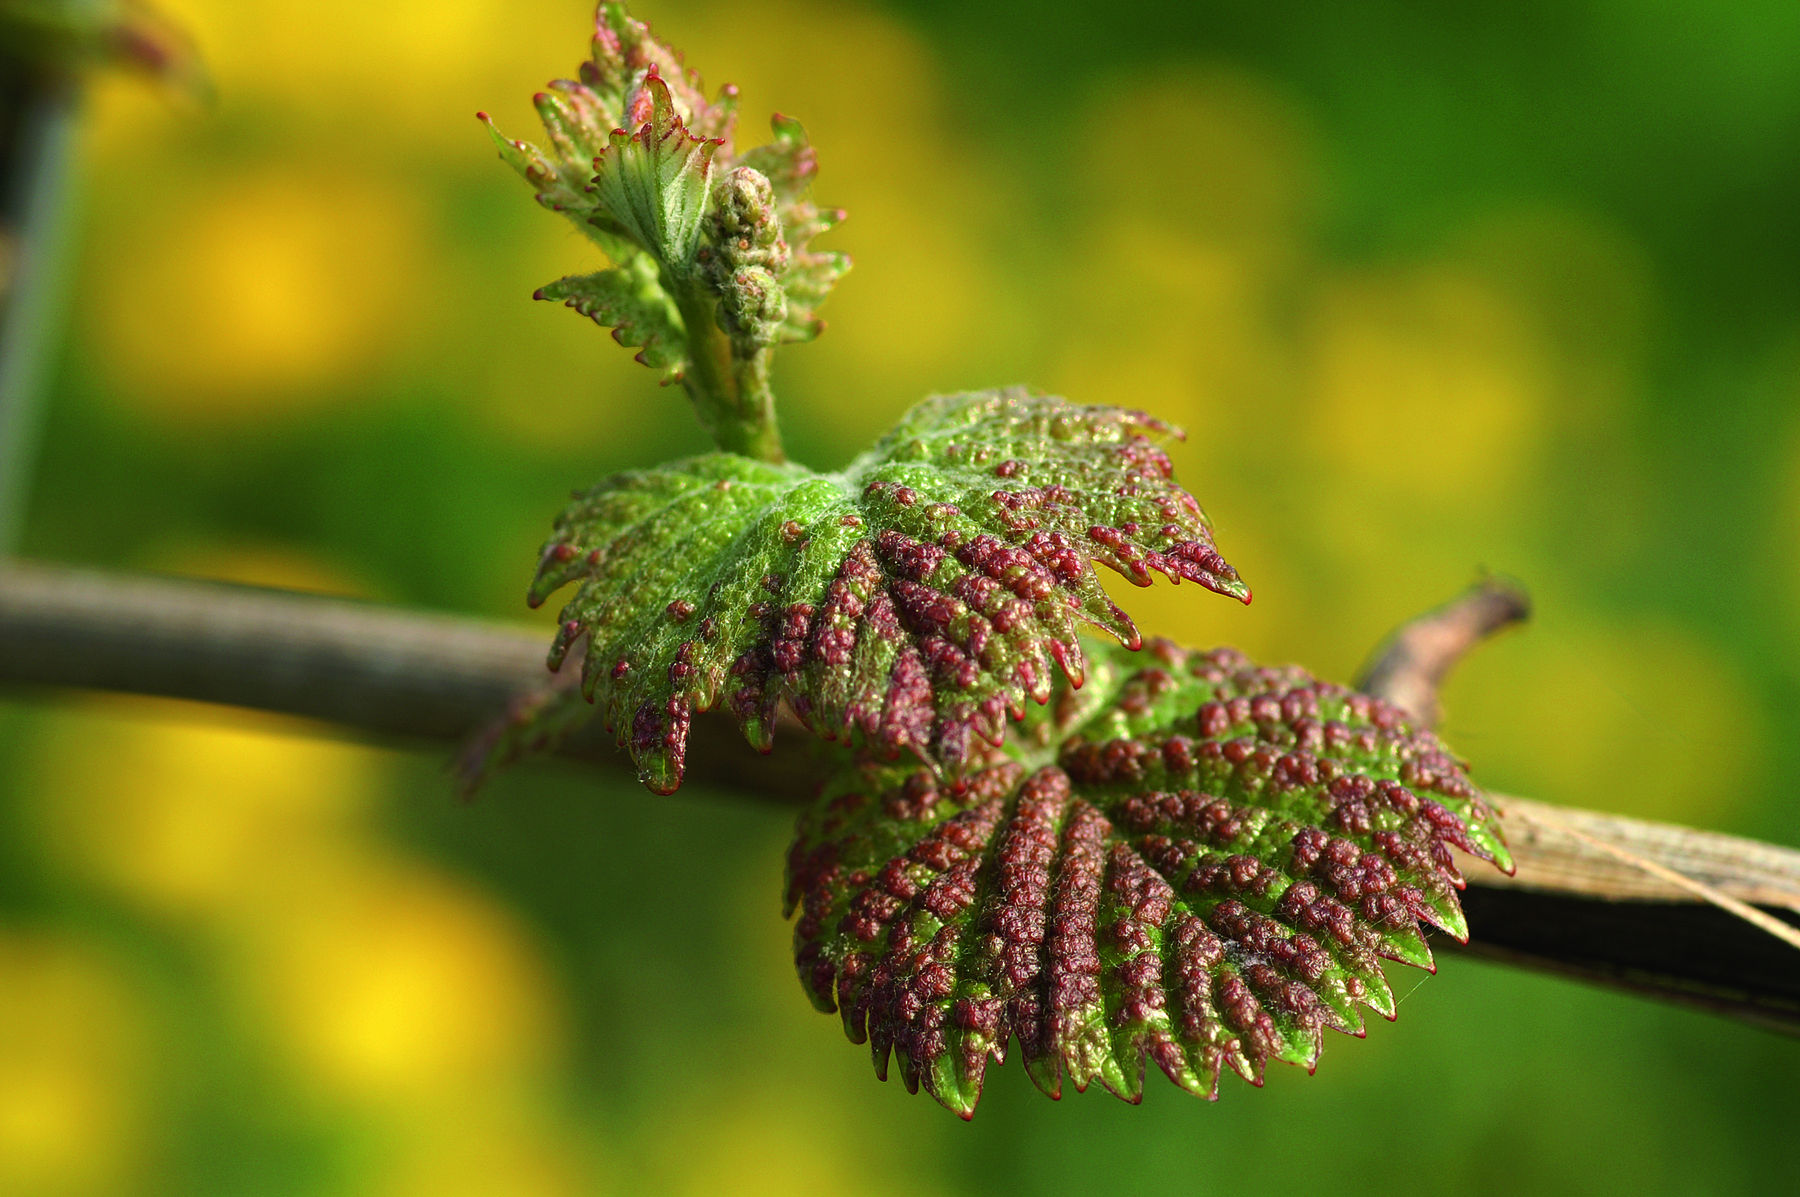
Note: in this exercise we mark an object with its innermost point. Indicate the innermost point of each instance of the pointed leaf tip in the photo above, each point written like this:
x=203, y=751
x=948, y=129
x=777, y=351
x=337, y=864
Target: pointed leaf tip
x=631, y=302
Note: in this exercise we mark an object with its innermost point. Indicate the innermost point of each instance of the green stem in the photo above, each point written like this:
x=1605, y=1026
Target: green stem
x=757, y=398
x=731, y=394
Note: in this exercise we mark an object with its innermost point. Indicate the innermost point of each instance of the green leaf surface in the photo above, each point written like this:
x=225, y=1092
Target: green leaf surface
x=1189, y=861
x=909, y=604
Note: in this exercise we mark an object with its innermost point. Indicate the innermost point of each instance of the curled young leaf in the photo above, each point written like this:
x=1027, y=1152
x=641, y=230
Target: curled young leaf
x=1190, y=861
x=654, y=179
x=744, y=255
x=624, y=50
x=611, y=96
x=911, y=603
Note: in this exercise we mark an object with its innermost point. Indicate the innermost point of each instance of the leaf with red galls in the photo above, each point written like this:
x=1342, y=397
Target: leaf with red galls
x=1190, y=861
x=910, y=604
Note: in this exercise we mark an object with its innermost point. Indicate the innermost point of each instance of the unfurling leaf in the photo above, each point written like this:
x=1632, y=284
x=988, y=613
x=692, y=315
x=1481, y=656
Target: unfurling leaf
x=654, y=181
x=577, y=125
x=911, y=603
x=581, y=116
x=624, y=50
x=1190, y=861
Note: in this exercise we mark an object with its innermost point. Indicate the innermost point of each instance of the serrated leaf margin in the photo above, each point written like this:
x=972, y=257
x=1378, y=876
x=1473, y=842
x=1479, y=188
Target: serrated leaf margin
x=910, y=604
x=1195, y=863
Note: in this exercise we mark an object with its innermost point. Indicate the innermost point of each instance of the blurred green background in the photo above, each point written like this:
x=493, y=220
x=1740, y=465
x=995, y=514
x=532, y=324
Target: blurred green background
x=1433, y=288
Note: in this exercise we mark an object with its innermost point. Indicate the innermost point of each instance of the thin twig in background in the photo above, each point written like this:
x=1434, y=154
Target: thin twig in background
x=1412, y=663
x=1652, y=862
x=1411, y=666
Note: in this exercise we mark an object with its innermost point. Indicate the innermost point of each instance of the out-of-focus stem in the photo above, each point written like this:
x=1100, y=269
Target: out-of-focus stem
x=1413, y=662
x=1602, y=897
x=33, y=203
x=362, y=668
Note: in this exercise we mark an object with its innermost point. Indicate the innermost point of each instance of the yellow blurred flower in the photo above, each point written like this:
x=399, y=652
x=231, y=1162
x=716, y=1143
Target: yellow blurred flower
x=1425, y=386
x=388, y=983
x=375, y=984
x=1192, y=226
x=258, y=294
x=419, y=68
x=196, y=819
x=72, y=1070
x=1176, y=324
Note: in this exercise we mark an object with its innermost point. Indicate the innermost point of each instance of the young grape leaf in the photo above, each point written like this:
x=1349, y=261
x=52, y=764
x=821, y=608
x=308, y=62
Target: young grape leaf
x=655, y=181
x=911, y=603
x=1191, y=860
x=581, y=115
x=643, y=163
